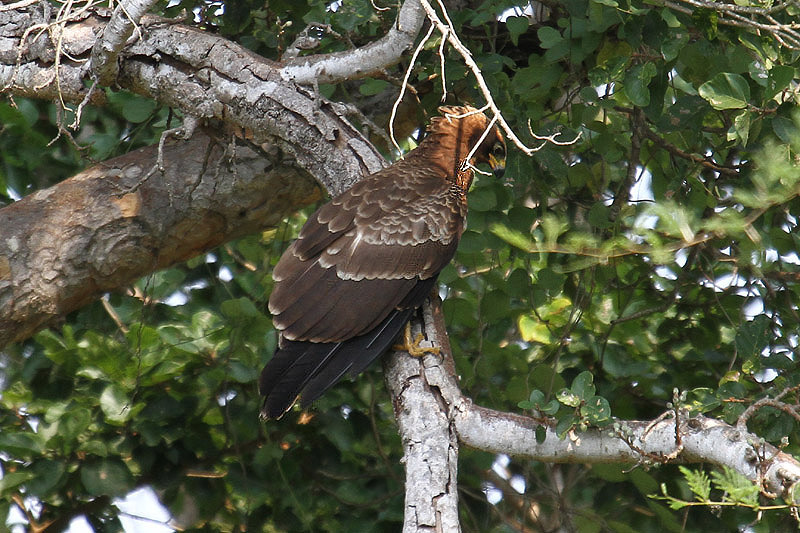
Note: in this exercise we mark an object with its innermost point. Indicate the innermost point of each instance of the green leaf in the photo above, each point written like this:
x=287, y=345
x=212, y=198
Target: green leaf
x=472, y=242
x=599, y=216
x=785, y=129
x=115, y=404
x=482, y=199
x=239, y=308
x=536, y=397
x=48, y=475
x=549, y=37
x=611, y=471
x=740, y=130
x=74, y=422
x=516, y=26
x=583, y=385
x=701, y=400
x=12, y=480
x=726, y=91
x=372, y=87
x=551, y=281
x=752, y=337
x=699, y=483
x=518, y=283
x=133, y=107
x=569, y=398
x=20, y=444
x=513, y=237
x=565, y=424
x=106, y=477
x=736, y=487
x=139, y=111
x=636, y=81
x=532, y=330
x=778, y=79
x=670, y=48
x=597, y=411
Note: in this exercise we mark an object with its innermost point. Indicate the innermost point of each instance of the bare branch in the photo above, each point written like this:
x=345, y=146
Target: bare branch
x=448, y=33
x=400, y=96
x=17, y=5
x=775, y=402
x=703, y=440
x=116, y=33
x=746, y=16
x=208, y=77
x=360, y=62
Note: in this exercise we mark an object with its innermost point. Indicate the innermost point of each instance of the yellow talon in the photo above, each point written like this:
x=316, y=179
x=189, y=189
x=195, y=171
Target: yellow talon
x=412, y=346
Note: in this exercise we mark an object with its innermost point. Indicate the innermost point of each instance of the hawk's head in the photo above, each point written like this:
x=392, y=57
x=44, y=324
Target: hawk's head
x=477, y=139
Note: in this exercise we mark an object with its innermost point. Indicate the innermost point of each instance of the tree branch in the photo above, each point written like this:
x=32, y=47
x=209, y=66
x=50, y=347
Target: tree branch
x=360, y=62
x=746, y=16
x=115, y=35
x=202, y=74
x=205, y=76
x=419, y=385
x=64, y=246
x=429, y=440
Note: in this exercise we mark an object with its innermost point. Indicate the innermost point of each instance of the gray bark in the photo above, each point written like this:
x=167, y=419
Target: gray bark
x=431, y=381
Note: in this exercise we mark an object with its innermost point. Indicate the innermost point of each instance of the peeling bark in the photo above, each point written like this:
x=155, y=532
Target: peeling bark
x=62, y=247
x=430, y=443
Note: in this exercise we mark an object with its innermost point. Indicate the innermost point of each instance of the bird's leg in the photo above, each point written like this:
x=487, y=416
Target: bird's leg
x=412, y=345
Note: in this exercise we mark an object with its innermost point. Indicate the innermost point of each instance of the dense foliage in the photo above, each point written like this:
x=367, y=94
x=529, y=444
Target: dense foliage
x=657, y=252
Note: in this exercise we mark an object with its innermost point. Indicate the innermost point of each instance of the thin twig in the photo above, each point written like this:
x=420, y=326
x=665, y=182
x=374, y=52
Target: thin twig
x=769, y=402
x=448, y=33
x=403, y=88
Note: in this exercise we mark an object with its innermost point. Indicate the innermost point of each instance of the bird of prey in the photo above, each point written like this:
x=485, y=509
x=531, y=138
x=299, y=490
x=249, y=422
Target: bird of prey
x=364, y=261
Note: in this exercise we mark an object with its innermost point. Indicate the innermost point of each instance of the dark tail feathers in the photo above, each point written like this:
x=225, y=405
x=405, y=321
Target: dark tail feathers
x=308, y=369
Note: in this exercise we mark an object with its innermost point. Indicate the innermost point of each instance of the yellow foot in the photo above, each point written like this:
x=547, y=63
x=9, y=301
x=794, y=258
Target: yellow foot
x=412, y=345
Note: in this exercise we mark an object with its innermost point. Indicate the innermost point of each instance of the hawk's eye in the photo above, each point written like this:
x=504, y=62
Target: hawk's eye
x=498, y=150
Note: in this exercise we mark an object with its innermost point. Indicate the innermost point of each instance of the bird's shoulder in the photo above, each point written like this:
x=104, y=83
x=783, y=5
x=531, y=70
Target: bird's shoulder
x=390, y=207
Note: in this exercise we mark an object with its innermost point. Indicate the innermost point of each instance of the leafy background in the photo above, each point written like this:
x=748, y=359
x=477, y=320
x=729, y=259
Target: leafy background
x=657, y=252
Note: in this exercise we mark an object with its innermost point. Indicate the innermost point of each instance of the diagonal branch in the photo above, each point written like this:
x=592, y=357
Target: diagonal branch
x=449, y=34
x=359, y=62
x=64, y=246
x=115, y=35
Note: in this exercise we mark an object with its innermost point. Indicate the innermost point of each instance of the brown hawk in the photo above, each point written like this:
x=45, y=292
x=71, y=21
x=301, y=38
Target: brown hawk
x=367, y=259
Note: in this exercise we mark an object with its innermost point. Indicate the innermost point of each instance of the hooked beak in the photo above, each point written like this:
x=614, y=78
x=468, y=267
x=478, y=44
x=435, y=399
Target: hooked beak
x=498, y=165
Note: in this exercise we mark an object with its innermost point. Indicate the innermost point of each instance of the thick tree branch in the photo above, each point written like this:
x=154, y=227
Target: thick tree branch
x=202, y=74
x=430, y=443
x=60, y=248
x=702, y=440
